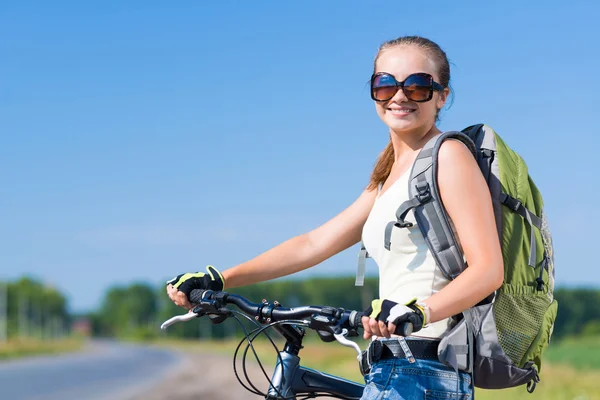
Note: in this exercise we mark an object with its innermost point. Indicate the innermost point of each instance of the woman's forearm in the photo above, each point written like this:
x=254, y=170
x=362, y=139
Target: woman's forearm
x=291, y=256
x=468, y=289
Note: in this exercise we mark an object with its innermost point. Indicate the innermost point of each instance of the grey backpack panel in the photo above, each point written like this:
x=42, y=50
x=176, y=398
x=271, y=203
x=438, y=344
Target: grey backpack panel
x=492, y=368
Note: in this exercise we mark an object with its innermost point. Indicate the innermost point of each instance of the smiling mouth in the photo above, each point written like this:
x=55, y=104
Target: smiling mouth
x=401, y=110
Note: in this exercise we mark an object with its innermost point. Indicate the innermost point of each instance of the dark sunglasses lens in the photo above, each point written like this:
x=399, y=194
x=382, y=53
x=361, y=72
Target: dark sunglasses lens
x=383, y=87
x=418, y=87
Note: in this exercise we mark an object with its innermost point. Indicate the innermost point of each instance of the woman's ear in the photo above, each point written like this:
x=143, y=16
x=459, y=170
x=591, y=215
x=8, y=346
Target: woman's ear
x=441, y=100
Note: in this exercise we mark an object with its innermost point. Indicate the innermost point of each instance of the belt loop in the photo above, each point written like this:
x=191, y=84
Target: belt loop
x=407, y=353
x=363, y=362
x=374, y=351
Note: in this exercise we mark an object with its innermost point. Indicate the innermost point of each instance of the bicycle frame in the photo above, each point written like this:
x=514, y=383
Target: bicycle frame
x=293, y=380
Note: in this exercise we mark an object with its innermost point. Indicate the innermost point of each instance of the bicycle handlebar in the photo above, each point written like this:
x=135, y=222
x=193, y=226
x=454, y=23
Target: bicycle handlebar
x=274, y=312
x=321, y=316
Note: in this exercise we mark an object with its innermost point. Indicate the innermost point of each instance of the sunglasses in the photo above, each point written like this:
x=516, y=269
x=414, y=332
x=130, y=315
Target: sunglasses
x=417, y=87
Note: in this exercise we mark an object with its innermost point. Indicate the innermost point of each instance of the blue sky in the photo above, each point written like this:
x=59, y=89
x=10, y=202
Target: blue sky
x=146, y=139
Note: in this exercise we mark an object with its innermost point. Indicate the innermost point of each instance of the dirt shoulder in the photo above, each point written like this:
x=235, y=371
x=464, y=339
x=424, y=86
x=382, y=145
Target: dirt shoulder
x=203, y=376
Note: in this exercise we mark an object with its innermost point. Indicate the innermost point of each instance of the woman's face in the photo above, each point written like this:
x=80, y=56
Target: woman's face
x=400, y=113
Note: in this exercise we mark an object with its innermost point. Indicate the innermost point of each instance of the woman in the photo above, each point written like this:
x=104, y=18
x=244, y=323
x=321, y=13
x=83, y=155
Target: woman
x=409, y=86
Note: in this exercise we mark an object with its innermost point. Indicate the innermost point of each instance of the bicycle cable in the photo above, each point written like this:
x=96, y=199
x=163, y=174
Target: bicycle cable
x=254, y=389
x=256, y=332
x=249, y=337
x=251, y=346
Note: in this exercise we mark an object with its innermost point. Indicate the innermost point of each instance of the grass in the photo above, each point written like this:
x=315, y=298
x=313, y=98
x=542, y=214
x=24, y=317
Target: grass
x=583, y=353
x=571, y=368
x=16, y=348
x=558, y=382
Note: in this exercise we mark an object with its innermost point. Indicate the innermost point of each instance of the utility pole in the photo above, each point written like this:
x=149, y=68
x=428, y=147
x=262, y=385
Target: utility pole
x=39, y=322
x=23, y=315
x=3, y=311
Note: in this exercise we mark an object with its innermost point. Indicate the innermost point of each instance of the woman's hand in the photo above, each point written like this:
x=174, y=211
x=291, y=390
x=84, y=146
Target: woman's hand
x=179, y=298
x=180, y=287
x=385, y=316
x=372, y=327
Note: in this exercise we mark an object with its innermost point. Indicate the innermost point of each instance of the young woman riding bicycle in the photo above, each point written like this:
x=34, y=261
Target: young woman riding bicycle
x=409, y=86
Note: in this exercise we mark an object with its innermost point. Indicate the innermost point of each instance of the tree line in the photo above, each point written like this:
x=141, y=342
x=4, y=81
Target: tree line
x=139, y=309
x=136, y=310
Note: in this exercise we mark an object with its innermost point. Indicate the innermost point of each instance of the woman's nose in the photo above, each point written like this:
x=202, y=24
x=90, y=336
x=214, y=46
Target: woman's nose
x=399, y=96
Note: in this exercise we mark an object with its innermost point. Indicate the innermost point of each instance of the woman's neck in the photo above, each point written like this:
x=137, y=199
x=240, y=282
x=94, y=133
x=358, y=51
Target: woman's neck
x=410, y=142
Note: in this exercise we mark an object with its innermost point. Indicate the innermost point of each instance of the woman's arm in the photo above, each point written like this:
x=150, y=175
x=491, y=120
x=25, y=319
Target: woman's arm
x=467, y=200
x=307, y=250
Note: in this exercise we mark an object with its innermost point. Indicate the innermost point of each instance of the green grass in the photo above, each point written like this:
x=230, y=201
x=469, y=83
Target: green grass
x=582, y=353
x=16, y=348
x=558, y=382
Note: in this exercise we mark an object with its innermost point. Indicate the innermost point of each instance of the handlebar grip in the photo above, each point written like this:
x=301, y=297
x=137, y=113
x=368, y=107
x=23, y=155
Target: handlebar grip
x=196, y=296
x=404, y=329
x=356, y=319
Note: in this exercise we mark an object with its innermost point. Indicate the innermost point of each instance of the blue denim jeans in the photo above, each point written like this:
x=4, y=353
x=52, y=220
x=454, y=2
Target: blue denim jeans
x=398, y=379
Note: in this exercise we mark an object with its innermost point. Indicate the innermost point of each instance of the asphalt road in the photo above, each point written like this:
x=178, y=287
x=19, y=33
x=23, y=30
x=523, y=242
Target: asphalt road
x=107, y=370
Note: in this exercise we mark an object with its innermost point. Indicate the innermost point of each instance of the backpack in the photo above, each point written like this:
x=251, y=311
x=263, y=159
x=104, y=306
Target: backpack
x=501, y=339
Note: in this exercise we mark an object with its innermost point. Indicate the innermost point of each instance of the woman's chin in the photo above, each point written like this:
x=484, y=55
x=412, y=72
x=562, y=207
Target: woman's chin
x=398, y=125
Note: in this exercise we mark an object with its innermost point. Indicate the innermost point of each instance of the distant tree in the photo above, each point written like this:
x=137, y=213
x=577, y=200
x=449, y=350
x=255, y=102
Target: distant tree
x=576, y=308
x=125, y=310
x=36, y=309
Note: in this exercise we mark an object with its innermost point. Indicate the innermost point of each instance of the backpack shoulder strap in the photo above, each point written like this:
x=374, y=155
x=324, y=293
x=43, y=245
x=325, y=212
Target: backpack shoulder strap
x=429, y=212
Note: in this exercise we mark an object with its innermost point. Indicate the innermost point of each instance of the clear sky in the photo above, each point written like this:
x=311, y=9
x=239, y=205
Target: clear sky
x=145, y=139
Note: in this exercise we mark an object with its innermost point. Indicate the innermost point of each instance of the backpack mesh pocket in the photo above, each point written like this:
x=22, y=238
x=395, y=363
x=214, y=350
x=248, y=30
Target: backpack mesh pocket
x=519, y=316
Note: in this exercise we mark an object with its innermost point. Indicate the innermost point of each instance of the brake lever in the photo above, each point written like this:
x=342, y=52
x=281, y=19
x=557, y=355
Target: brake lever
x=341, y=338
x=179, y=318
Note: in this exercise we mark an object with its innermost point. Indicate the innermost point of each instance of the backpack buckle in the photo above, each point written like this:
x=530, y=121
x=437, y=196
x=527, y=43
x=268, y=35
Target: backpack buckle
x=423, y=192
x=403, y=224
x=510, y=202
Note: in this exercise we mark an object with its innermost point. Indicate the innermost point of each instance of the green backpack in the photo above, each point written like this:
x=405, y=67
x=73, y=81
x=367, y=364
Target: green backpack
x=500, y=340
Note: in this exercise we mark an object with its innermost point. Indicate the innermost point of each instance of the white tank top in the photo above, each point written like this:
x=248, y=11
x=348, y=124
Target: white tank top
x=408, y=270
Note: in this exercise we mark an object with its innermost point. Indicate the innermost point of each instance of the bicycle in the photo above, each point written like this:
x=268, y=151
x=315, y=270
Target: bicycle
x=289, y=378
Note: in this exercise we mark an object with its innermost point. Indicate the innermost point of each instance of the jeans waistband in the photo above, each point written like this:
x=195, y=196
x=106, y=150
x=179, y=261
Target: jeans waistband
x=410, y=349
x=395, y=348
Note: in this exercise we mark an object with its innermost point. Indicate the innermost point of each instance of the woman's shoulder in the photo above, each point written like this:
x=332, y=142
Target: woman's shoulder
x=457, y=168
x=454, y=150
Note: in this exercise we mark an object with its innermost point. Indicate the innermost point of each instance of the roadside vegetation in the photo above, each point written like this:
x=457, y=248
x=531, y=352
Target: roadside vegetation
x=15, y=348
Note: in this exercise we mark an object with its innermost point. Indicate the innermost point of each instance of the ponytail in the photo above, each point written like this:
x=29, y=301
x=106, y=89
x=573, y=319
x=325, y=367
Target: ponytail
x=382, y=168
